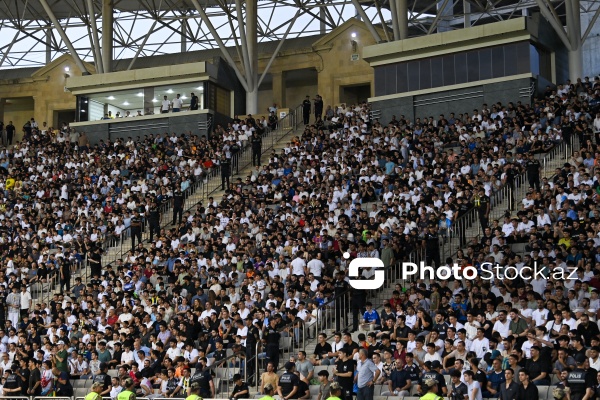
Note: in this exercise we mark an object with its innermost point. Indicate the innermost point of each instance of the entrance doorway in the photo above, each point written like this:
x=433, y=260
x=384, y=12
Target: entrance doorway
x=353, y=94
x=61, y=116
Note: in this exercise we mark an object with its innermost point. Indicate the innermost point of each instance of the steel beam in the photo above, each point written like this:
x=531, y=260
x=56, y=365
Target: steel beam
x=224, y=50
x=367, y=21
x=402, y=15
x=249, y=71
x=63, y=36
x=107, y=35
x=95, y=38
x=252, y=40
x=591, y=25
x=395, y=25
x=558, y=28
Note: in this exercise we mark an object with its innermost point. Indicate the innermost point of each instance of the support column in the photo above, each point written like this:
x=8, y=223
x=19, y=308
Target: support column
x=467, y=12
x=183, y=35
x=48, y=46
x=445, y=11
x=402, y=15
x=574, y=34
x=252, y=42
x=322, y=16
x=148, y=96
x=95, y=37
x=2, y=103
x=279, y=88
x=107, y=35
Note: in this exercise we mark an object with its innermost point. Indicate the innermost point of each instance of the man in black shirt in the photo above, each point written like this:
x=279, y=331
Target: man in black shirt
x=344, y=371
x=482, y=203
x=306, y=106
x=136, y=229
x=458, y=390
x=12, y=385
x=432, y=247
x=203, y=378
x=194, y=102
x=177, y=206
x=154, y=220
x=103, y=378
x=527, y=390
x=289, y=383
x=341, y=299
x=225, y=171
x=10, y=133
x=256, y=143
x=323, y=348
x=271, y=337
x=533, y=167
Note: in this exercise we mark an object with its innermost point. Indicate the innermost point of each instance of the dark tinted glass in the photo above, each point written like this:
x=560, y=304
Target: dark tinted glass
x=473, y=65
x=497, y=62
x=460, y=63
x=413, y=75
x=425, y=73
x=448, y=62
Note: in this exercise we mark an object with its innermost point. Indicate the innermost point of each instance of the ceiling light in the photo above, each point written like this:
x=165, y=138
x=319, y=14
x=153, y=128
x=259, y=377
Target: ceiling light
x=154, y=101
x=170, y=91
x=140, y=94
x=111, y=97
x=126, y=103
x=184, y=97
x=200, y=88
x=353, y=34
x=67, y=69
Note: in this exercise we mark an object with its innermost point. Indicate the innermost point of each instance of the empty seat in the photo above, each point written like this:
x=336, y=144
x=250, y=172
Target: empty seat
x=314, y=389
x=543, y=392
x=379, y=397
x=78, y=383
x=378, y=389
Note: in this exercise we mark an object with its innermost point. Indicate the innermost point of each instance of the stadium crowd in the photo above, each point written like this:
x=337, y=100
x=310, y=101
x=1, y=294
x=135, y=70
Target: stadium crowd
x=258, y=264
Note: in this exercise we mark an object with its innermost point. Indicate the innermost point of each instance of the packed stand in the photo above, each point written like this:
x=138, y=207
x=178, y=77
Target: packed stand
x=262, y=263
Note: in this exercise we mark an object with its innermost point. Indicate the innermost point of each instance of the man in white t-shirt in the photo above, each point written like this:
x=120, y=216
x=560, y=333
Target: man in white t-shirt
x=166, y=105
x=480, y=344
x=297, y=265
x=177, y=103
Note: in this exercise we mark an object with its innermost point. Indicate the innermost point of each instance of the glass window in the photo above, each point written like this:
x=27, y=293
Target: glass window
x=413, y=75
x=425, y=71
x=497, y=62
x=460, y=63
x=473, y=65
x=402, y=81
x=448, y=62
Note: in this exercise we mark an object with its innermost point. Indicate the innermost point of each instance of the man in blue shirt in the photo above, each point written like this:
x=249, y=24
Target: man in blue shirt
x=371, y=316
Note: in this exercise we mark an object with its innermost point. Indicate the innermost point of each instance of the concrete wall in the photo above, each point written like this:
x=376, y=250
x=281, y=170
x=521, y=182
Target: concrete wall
x=457, y=101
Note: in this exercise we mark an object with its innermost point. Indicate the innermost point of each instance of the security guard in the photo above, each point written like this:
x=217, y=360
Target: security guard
x=335, y=391
x=269, y=392
x=154, y=220
x=340, y=288
x=271, y=337
x=533, y=167
x=193, y=392
x=225, y=171
x=177, y=205
x=434, y=375
x=289, y=383
x=95, y=393
x=432, y=387
x=582, y=382
x=136, y=228
x=129, y=392
x=203, y=378
x=12, y=385
x=256, y=142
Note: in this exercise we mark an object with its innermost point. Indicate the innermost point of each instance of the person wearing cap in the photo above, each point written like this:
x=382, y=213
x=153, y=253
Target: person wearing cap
x=289, y=383
x=95, y=394
x=129, y=390
x=103, y=378
x=193, y=392
x=60, y=357
x=581, y=381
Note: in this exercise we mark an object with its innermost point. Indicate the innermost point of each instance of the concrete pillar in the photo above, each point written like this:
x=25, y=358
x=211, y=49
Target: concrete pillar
x=148, y=96
x=322, y=16
x=279, y=88
x=445, y=11
x=2, y=103
x=252, y=41
x=574, y=35
x=107, y=35
x=467, y=12
x=402, y=15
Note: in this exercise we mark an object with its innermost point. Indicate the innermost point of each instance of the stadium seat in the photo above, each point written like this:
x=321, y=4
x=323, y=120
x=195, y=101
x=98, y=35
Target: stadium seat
x=314, y=389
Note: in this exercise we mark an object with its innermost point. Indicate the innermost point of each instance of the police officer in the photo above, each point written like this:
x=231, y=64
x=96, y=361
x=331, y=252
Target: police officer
x=193, y=392
x=95, y=394
x=12, y=385
x=203, y=379
x=271, y=337
x=431, y=385
x=225, y=171
x=136, y=228
x=256, y=143
x=129, y=392
x=341, y=301
x=582, y=382
x=357, y=303
x=533, y=167
x=103, y=378
x=306, y=106
x=434, y=375
x=289, y=383
x=483, y=204
x=154, y=220
x=177, y=206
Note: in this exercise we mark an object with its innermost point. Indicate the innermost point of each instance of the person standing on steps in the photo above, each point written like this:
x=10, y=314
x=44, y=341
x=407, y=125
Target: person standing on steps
x=154, y=220
x=225, y=171
x=306, y=106
x=136, y=229
x=256, y=142
x=318, y=108
x=177, y=206
x=10, y=133
x=533, y=167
